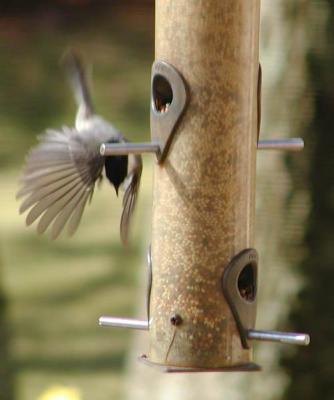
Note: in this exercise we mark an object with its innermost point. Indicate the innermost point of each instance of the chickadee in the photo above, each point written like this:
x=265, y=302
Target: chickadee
x=60, y=172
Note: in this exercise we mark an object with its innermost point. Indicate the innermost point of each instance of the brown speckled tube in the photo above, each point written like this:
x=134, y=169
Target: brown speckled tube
x=203, y=205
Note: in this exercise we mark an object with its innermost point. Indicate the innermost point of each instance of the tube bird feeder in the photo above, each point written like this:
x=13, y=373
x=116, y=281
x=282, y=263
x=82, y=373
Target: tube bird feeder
x=203, y=205
x=205, y=118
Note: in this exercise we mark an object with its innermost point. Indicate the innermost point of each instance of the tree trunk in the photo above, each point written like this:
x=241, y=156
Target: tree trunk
x=312, y=372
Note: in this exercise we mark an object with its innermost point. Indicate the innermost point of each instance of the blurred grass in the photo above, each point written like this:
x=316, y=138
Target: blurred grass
x=57, y=290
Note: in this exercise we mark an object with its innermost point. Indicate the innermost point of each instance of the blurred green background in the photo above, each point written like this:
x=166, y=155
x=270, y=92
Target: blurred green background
x=52, y=293
x=55, y=291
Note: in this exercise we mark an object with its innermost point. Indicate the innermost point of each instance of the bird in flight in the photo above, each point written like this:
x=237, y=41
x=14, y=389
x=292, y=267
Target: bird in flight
x=60, y=172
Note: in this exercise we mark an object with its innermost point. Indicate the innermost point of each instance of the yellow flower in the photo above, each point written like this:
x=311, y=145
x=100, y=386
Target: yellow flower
x=60, y=393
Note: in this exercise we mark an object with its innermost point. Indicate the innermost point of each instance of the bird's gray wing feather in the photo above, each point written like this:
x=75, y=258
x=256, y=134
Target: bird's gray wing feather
x=58, y=179
x=131, y=193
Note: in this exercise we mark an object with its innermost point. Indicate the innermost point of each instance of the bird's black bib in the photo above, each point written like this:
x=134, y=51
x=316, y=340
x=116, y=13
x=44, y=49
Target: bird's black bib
x=116, y=168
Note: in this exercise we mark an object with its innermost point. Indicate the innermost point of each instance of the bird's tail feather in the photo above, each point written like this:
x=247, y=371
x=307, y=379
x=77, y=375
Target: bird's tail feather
x=78, y=80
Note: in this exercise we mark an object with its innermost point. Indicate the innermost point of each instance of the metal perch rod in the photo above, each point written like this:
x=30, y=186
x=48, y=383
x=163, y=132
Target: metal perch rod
x=111, y=149
x=293, y=144
x=124, y=323
x=300, y=339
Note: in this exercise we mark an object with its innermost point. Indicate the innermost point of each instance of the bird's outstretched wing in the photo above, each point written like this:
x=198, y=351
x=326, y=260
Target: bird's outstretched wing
x=131, y=187
x=59, y=178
